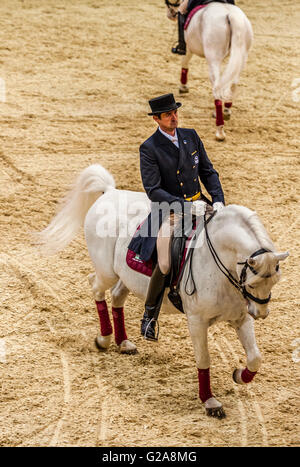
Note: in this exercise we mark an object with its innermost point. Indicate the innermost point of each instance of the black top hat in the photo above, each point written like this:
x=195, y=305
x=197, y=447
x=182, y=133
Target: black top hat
x=163, y=103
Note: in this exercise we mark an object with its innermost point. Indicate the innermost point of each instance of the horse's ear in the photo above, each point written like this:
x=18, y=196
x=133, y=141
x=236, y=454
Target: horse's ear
x=281, y=256
x=252, y=262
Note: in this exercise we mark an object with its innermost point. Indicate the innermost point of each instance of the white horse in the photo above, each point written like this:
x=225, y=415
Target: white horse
x=236, y=242
x=213, y=32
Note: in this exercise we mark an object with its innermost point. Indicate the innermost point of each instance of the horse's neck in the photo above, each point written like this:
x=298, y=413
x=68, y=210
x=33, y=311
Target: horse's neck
x=234, y=238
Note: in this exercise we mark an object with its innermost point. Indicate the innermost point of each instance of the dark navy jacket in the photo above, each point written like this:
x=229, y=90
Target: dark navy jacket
x=170, y=174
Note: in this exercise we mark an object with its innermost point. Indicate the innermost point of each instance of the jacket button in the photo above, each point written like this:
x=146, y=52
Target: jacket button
x=178, y=172
x=184, y=196
x=195, y=179
x=194, y=166
x=181, y=184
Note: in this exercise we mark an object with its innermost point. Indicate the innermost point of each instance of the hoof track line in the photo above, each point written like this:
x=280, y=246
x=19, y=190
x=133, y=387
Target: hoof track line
x=42, y=286
x=255, y=404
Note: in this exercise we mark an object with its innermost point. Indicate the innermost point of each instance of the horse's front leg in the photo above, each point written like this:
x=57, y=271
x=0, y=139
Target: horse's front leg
x=246, y=335
x=198, y=331
x=183, y=88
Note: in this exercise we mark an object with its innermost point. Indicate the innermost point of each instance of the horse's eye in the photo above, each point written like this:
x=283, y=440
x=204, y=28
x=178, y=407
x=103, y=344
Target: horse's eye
x=277, y=267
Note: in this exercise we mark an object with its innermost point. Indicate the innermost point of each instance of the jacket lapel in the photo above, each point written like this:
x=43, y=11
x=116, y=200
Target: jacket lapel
x=161, y=140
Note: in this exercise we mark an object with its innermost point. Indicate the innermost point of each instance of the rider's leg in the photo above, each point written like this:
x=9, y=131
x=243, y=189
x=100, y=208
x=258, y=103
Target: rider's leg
x=183, y=9
x=153, y=303
x=158, y=280
x=180, y=48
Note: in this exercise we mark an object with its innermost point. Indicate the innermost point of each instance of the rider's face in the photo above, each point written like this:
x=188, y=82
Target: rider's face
x=168, y=121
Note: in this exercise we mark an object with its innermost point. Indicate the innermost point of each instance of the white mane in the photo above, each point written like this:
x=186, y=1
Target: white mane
x=252, y=221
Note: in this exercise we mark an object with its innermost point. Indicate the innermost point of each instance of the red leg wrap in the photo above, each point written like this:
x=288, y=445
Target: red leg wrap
x=105, y=324
x=204, y=384
x=184, y=73
x=228, y=105
x=219, y=113
x=247, y=375
x=119, y=325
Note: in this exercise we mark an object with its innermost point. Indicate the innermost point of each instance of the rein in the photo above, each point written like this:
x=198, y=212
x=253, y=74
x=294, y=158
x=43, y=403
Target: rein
x=239, y=284
x=189, y=258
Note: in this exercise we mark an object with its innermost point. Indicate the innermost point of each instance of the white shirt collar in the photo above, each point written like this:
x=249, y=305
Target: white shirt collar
x=174, y=138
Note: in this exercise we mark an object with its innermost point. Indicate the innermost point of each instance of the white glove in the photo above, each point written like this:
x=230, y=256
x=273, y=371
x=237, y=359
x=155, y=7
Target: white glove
x=198, y=208
x=218, y=206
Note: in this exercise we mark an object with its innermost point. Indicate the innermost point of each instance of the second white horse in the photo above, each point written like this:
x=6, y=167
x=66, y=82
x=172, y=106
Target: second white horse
x=215, y=31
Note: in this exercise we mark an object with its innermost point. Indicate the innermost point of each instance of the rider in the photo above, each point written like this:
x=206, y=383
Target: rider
x=171, y=162
x=185, y=7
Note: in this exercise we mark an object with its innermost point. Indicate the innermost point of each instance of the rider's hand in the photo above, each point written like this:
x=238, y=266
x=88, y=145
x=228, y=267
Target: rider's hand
x=218, y=205
x=198, y=208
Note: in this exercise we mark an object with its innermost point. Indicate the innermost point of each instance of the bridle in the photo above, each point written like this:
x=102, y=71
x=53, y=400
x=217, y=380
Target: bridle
x=240, y=284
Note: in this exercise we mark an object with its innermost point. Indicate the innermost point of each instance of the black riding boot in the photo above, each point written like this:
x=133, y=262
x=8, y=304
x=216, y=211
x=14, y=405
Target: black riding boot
x=153, y=303
x=180, y=48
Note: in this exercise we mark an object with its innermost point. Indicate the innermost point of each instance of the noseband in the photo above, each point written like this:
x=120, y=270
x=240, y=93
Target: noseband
x=239, y=284
x=243, y=277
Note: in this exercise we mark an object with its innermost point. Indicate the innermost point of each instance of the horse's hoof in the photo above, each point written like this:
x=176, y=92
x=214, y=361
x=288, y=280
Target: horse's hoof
x=220, y=133
x=214, y=408
x=216, y=412
x=183, y=89
x=226, y=114
x=237, y=376
x=128, y=347
x=103, y=342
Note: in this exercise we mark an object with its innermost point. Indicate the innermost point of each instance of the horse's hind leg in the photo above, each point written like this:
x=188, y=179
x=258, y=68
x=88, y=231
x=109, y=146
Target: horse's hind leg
x=246, y=335
x=183, y=88
x=118, y=296
x=214, y=74
x=98, y=287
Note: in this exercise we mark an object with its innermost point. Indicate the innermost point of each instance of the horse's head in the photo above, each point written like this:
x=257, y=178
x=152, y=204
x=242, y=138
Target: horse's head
x=172, y=7
x=259, y=274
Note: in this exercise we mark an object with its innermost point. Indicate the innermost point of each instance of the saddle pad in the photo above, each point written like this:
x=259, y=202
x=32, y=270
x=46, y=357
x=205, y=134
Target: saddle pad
x=191, y=14
x=135, y=263
x=146, y=267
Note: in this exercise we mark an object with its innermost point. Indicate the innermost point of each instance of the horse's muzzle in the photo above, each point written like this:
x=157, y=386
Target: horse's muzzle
x=254, y=312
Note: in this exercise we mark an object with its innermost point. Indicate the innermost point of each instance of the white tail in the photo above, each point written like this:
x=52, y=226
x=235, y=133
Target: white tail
x=90, y=184
x=241, y=39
